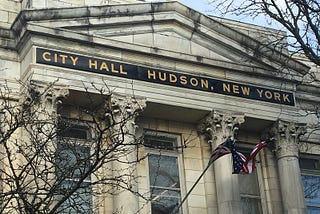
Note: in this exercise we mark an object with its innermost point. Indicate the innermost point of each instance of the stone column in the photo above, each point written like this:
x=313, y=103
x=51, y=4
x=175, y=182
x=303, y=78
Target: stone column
x=218, y=127
x=123, y=115
x=287, y=141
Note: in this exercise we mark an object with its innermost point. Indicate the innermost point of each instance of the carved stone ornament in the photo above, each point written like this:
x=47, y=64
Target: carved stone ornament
x=217, y=123
x=124, y=110
x=287, y=135
x=48, y=95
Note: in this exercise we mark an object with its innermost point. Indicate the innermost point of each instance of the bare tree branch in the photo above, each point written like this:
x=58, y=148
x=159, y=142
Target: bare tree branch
x=54, y=150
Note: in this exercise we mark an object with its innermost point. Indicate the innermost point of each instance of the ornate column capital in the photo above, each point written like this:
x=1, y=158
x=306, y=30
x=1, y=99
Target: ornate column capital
x=287, y=135
x=124, y=110
x=219, y=123
x=46, y=95
x=46, y=91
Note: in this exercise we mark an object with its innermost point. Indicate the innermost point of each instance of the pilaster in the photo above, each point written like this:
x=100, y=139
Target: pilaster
x=217, y=127
x=124, y=111
x=38, y=122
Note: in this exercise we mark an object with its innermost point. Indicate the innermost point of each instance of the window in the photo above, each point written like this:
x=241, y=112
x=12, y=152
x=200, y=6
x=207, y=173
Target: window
x=164, y=176
x=310, y=176
x=249, y=190
x=72, y=162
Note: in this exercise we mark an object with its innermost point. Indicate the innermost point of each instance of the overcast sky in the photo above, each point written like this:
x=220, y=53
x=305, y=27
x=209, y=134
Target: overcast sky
x=199, y=5
x=203, y=7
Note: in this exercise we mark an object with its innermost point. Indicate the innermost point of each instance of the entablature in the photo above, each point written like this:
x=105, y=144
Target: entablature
x=84, y=24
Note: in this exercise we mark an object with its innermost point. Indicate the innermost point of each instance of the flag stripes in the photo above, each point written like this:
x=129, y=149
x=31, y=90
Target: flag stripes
x=250, y=164
x=241, y=164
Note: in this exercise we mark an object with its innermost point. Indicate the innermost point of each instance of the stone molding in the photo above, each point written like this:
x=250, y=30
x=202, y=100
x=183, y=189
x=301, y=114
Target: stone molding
x=220, y=123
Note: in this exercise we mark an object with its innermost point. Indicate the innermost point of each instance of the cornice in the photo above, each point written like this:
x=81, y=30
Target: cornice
x=197, y=18
x=36, y=30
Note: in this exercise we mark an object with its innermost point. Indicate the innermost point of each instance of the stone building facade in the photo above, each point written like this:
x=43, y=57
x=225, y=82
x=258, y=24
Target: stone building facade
x=198, y=78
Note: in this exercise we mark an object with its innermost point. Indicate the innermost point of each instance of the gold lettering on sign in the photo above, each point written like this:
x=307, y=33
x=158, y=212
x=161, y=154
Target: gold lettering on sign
x=93, y=63
x=183, y=80
x=104, y=66
x=55, y=57
x=151, y=74
x=286, y=98
x=194, y=82
x=172, y=78
x=63, y=58
x=260, y=92
x=226, y=87
x=162, y=78
x=204, y=83
x=268, y=95
x=97, y=65
x=277, y=96
x=113, y=70
x=235, y=89
x=74, y=60
x=272, y=95
x=122, y=71
x=45, y=56
x=245, y=90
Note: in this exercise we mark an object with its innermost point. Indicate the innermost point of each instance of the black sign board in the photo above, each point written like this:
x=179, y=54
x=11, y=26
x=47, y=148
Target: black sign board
x=148, y=74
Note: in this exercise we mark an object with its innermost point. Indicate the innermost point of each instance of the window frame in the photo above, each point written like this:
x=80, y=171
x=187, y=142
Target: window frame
x=310, y=172
x=176, y=152
x=246, y=147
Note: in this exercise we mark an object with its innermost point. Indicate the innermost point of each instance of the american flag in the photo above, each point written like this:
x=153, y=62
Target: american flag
x=250, y=163
x=223, y=149
x=237, y=158
x=241, y=164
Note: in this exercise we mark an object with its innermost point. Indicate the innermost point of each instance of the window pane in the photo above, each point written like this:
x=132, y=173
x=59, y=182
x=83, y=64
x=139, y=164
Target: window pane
x=313, y=210
x=164, y=201
x=163, y=171
x=311, y=188
x=79, y=201
x=312, y=164
x=250, y=193
x=72, y=160
x=160, y=142
x=251, y=205
x=164, y=182
x=249, y=184
x=72, y=132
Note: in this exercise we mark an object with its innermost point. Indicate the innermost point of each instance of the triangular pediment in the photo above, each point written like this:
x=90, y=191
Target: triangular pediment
x=171, y=27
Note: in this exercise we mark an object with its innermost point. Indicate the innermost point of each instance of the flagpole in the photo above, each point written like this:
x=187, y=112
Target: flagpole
x=189, y=192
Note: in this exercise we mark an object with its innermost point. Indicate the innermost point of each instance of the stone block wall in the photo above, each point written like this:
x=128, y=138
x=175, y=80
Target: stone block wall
x=8, y=12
